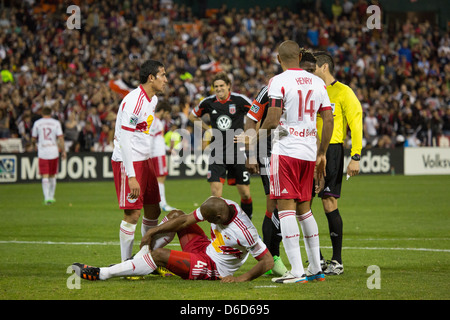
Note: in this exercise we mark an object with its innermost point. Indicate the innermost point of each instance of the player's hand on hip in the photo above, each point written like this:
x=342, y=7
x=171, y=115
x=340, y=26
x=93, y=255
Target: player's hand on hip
x=135, y=189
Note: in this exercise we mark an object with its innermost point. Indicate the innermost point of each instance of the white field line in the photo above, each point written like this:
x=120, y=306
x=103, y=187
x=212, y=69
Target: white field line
x=116, y=243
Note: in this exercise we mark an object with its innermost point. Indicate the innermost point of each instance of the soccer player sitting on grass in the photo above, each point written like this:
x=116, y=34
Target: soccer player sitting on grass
x=233, y=238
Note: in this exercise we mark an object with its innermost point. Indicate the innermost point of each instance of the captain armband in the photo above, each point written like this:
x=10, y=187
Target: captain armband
x=277, y=103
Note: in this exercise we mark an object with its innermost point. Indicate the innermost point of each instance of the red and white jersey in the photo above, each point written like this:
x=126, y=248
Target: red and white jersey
x=136, y=114
x=303, y=95
x=231, y=243
x=47, y=131
x=158, y=145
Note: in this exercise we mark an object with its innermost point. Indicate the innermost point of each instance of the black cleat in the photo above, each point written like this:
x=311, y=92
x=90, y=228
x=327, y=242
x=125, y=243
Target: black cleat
x=86, y=272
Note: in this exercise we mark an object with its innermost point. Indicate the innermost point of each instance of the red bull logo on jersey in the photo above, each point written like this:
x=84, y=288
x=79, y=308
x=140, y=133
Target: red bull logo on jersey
x=303, y=133
x=144, y=126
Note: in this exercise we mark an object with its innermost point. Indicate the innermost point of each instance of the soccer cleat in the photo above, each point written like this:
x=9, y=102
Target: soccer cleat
x=334, y=268
x=288, y=277
x=86, y=272
x=134, y=278
x=323, y=264
x=279, y=268
x=166, y=208
x=319, y=276
x=163, y=272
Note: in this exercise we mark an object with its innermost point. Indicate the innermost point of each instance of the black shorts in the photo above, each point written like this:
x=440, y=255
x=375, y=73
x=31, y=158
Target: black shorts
x=233, y=173
x=334, y=170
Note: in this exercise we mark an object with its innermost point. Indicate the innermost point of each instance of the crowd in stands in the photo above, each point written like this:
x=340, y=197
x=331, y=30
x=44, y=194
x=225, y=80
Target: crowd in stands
x=401, y=77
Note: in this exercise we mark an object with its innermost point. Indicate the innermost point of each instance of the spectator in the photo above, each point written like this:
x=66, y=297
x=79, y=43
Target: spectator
x=42, y=62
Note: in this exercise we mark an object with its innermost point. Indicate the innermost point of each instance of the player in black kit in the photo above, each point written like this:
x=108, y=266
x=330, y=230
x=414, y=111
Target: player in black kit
x=227, y=112
x=259, y=162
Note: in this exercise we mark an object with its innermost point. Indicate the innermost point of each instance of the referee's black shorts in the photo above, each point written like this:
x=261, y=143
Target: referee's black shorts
x=334, y=170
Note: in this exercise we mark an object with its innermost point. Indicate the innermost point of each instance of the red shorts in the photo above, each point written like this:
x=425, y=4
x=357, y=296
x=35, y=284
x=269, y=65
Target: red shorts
x=160, y=165
x=291, y=178
x=193, y=263
x=48, y=166
x=145, y=175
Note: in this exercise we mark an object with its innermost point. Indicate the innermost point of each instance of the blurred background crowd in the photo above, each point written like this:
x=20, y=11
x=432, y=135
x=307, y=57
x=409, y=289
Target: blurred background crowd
x=401, y=75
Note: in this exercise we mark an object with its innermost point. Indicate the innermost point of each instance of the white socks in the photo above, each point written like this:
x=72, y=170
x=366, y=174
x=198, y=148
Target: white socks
x=52, y=188
x=311, y=239
x=48, y=188
x=147, y=224
x=162, y=239
x=291, y=234
x=45, y=188
x=126, y=236
x=162, y=194
x=142, y=264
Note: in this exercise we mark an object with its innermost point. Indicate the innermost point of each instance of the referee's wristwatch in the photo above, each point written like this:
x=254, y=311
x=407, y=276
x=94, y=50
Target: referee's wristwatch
x=356, y=157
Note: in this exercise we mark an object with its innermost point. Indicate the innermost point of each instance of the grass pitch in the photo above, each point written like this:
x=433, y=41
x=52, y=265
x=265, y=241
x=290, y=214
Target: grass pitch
x=399, y=224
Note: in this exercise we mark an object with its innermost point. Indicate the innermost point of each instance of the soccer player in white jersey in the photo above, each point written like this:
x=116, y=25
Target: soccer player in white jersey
x=134, y=175
x=295, y=98
x=234, y=237
x=158, y=151
x=49, y=135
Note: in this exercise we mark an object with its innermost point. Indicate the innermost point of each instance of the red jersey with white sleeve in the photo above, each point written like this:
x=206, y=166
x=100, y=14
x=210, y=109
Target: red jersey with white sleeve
x=303, y=95
x=158, y=145
x=231, y=243
x=132, y=133
x=47, y=131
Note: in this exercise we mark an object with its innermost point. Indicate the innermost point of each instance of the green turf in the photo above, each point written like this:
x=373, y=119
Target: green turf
x=399, y=223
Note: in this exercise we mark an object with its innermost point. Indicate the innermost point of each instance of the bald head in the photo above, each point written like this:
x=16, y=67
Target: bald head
x=215, y=210
x=288, y=52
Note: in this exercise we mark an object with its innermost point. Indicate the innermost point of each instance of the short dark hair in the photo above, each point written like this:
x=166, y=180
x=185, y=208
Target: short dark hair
x=222, y=76
x=149, y=67
x=307, y=56
x=46, y=111
x=308, y=61
x=163, y=105
x=324, y=57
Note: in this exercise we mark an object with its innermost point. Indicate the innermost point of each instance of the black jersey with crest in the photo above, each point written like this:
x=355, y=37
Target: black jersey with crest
x=226, y=116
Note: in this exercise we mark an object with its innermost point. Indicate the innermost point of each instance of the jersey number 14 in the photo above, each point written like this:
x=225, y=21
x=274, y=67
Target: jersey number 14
x=306, y=106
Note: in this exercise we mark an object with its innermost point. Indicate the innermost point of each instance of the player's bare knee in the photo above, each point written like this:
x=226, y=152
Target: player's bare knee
x=131, y=216
x=175, y=213
x=152, y=211
x=160, y=256
x=329, y=204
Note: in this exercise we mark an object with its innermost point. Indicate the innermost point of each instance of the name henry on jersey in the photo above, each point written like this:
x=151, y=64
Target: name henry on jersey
x=303, y=80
